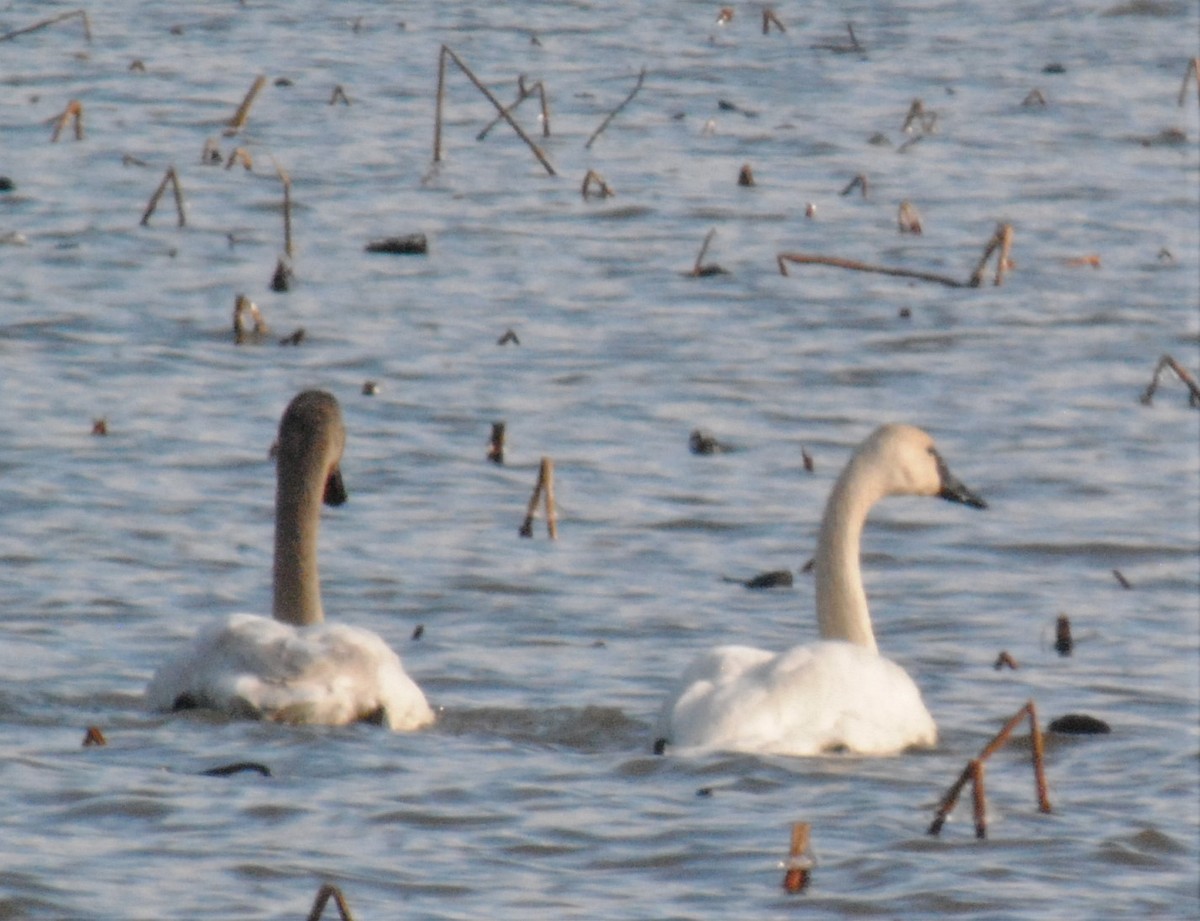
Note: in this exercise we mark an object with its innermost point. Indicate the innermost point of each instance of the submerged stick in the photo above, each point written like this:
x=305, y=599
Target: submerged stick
x=1168, y=362
x=441, y=96
x=74, y=110
x=287, y=209
x=238, y=122
x=82, y=14
x=545, y=485
x=172, y=178
x=324, y=894
x=613, y=114
x=973, y=773
x=1193, y=69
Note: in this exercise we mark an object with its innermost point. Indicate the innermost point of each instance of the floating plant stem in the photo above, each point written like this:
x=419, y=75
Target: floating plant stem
x=73, y=111
x=799, y=863
x=594, y=178
x=324, y=894
x=613, y=114
x=238, y=122
x=1163, y=364
x=1193, y=70
x=544, y=486
x=523, y=93
x=173, y=179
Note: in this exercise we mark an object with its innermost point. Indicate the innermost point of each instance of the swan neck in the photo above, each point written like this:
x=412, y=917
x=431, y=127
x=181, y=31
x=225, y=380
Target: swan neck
x=842, y=612
x=297, y=584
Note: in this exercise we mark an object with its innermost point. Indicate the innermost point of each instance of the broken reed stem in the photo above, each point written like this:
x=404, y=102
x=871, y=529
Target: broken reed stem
x=324, y=894
x=74, y=110
x=243, y=111
x=593, y=177
x=172, y=178
x=1193, y=69
x=287, y=209
x=545, y=485
x=613, y=114
x=1001, y=239
x=523, y=93
x=82, y=14
x=973, y=773
x=770, y=19
x=799, y=862
x=708, y=238
x=441, y=96
x=1168, y=362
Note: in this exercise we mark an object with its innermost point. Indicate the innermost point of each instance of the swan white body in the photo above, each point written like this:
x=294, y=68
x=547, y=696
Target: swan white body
x=837, y=694
x=293, y=667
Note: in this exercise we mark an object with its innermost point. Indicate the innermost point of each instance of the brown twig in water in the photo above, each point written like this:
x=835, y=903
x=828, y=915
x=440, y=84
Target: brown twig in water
x=595, y=178
x=1193, y=69
x=800, y=861
x=745, y=176
x=1168, y=362
x=1004, y=660
x=1121, y=580
x=700, y=269
x=1063, y=644
x=94, y=736
x=441, y=97
x=74, y=110
x=973, y=773
x=82, y=14
x=770, y=19
x=238, y=122
x=240, y=155
x=172, y=178
x=324, y=894
x=496, y=444
x=613, y=114
x=545, y=485
x=339, y=95
x=1002, y=240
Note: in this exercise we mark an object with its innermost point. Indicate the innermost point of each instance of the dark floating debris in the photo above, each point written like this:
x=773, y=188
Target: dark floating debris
x=800, y=862
x=370, y=388
x=705, y=791
x=806, y=459
x=1063, y=644
x=7, y=185
x=1121, y=580
x=1054, y=68
x=93, y=736
x=415, y=244
x=745, y=176
x=295, y=338
x=777, y=578
x=660, y=746
x=509, y=337
x=1079, y=724
x=281, y=278
x=858, y=182
x=100, y=427
x=701, y=442
x=418, y=632
x=238, y=767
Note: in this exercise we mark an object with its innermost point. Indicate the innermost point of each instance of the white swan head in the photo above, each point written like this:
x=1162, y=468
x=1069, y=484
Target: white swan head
x=895, y=460
x=312, y=437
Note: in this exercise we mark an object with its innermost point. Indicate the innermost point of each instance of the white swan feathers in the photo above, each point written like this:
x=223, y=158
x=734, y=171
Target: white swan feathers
x=295, y=668
x=837, y=694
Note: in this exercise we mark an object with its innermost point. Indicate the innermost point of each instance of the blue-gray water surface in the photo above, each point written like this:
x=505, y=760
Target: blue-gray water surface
x=537, y=794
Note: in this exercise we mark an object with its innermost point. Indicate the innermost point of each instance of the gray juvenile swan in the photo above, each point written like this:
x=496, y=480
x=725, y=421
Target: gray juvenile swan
x=295, y=668
x=839, y=693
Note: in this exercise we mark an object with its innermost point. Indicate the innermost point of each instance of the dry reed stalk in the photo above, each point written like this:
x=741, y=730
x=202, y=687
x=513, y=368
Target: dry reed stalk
x=82, y=14
x=1005, y=660
x=240, y=155
x=1002, y=240
x=858, y=182
x=800, y=862
x=94, y=736
x=544, y=486
x=74, y=110
x=613, y=114
x=287, y=209
x=441, y=97
x=770, y=19
x=523, y=93
x=973, y=773
x=1121, y=580
x=238, y=122
x=592, y=177
x=1193, y=69
x=496, y=444
x=1168, y=362
x=702, y=270
x=339, y=95
x=324, y=894
x=172, y=178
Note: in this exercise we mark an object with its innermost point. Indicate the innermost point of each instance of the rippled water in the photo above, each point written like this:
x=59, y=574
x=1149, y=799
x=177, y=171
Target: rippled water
x=537, y=794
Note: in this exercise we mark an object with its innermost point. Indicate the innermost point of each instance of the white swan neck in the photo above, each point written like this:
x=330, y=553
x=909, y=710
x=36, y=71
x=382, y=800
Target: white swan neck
x=842, y=612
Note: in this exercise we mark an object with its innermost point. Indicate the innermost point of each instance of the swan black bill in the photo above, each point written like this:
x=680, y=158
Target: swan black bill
x=954, y=490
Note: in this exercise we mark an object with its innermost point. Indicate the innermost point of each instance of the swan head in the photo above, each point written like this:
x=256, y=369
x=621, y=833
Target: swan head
x=907, y=463
x=312, y=438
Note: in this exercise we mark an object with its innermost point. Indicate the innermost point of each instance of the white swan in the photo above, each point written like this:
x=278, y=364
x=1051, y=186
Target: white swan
x=839, y=693
x=295, y=668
